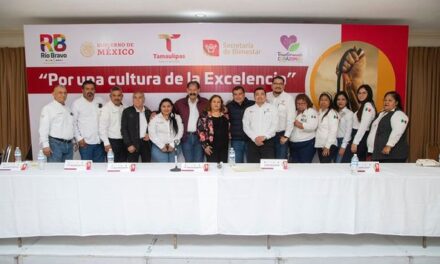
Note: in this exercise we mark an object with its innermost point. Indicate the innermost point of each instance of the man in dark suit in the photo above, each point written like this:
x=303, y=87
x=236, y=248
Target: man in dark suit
x=134, y=129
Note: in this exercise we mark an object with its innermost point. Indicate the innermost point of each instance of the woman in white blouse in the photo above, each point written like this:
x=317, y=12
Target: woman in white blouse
x=343, y=136
x=325, y=141
x=302, y=138
x=362, y=119
x=387, y=139
x=165, y=129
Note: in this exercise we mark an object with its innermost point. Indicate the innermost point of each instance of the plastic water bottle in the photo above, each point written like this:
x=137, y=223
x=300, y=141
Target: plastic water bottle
x=17, y=154
x=354, y=164
x=231, y=159
x=41, y=160
x=110, y=156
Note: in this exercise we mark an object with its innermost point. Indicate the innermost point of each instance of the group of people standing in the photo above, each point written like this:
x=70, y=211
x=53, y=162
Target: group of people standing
x=272, y=126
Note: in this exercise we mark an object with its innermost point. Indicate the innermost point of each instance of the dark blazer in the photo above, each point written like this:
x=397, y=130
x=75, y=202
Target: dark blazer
x=399, y=151
x=130, y=126
x=236, y=112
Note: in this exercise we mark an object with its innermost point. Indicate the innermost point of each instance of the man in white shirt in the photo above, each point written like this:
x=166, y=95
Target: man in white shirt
x=86, y=111
x=260, y=122
x=110, y=125
x=285, y=105
x=56, y=128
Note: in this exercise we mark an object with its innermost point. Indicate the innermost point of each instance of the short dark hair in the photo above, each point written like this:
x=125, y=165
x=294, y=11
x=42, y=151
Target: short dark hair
x=236, y=88
x=259, y=89
x=196, y=83
x=396, y=97
x=222, y=106
x=115, y=88
x=279, y=77
x=305, y=98
x=88, y=82
x=335, y=100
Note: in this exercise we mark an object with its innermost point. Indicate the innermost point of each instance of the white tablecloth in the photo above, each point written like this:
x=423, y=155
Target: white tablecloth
x=315, y=198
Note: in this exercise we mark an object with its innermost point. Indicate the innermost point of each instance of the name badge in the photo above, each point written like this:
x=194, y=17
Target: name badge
x=274, y=164
x=121, y=167
x=368, y=167
x=196, y=167
x=10, y=166
x=78, y=165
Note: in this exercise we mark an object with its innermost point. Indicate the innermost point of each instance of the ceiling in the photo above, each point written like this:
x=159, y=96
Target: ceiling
x=421, y=15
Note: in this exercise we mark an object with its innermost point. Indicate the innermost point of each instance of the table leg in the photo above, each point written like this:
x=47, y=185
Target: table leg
x=268, y=246
x=175, y=241
x=423, y=241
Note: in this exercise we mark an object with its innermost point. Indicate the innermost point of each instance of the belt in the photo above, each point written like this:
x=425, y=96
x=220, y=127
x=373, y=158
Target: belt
x=192, y=133
x=61, y=140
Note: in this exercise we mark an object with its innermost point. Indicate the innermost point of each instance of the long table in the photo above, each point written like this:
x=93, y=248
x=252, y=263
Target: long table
x=402, y=199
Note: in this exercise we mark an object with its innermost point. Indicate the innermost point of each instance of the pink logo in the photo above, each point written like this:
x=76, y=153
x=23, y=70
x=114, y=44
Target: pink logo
x=289, y=42
x=168, y=38
x=211, y=47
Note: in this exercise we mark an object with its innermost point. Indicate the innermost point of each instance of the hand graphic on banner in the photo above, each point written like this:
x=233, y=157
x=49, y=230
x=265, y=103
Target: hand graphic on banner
x=351, y=69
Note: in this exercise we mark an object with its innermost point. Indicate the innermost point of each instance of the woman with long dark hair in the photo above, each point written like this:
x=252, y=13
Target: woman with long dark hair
x=325, y=141
x=361, y=123
x=387, y=139
x=302, y=138
x=213, y=130
x=165, y=129
x=343, y=137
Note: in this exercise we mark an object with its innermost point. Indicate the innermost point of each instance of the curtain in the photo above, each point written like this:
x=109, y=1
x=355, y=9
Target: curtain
x=423, y=100
x=14, y=115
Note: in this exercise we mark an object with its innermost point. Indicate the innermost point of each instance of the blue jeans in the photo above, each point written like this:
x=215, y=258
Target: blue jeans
x=280, y=149
x=158, y=156
x=93, y=152
x=339, y=158
x=192, y=148
x=61, y=151
x=240, y=148
x=302, y=152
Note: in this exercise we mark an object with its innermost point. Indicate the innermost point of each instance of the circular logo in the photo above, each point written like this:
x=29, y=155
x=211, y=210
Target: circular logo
x=87, y=49
x=346, y=66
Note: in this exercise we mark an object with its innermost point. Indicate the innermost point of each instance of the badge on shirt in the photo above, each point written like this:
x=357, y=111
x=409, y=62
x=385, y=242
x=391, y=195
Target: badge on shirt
x=403, y=121
x=367, y=109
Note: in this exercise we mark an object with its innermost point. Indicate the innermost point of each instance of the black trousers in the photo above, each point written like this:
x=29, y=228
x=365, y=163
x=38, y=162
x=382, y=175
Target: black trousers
x=219, y=153
x=119, y=149
x=362, y=149
x=330, y=158
x=255, y=153
x=392, y=160
x=144, y=151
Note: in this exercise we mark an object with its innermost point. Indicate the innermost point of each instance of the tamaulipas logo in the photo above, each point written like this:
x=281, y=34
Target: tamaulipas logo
x=171, y=56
